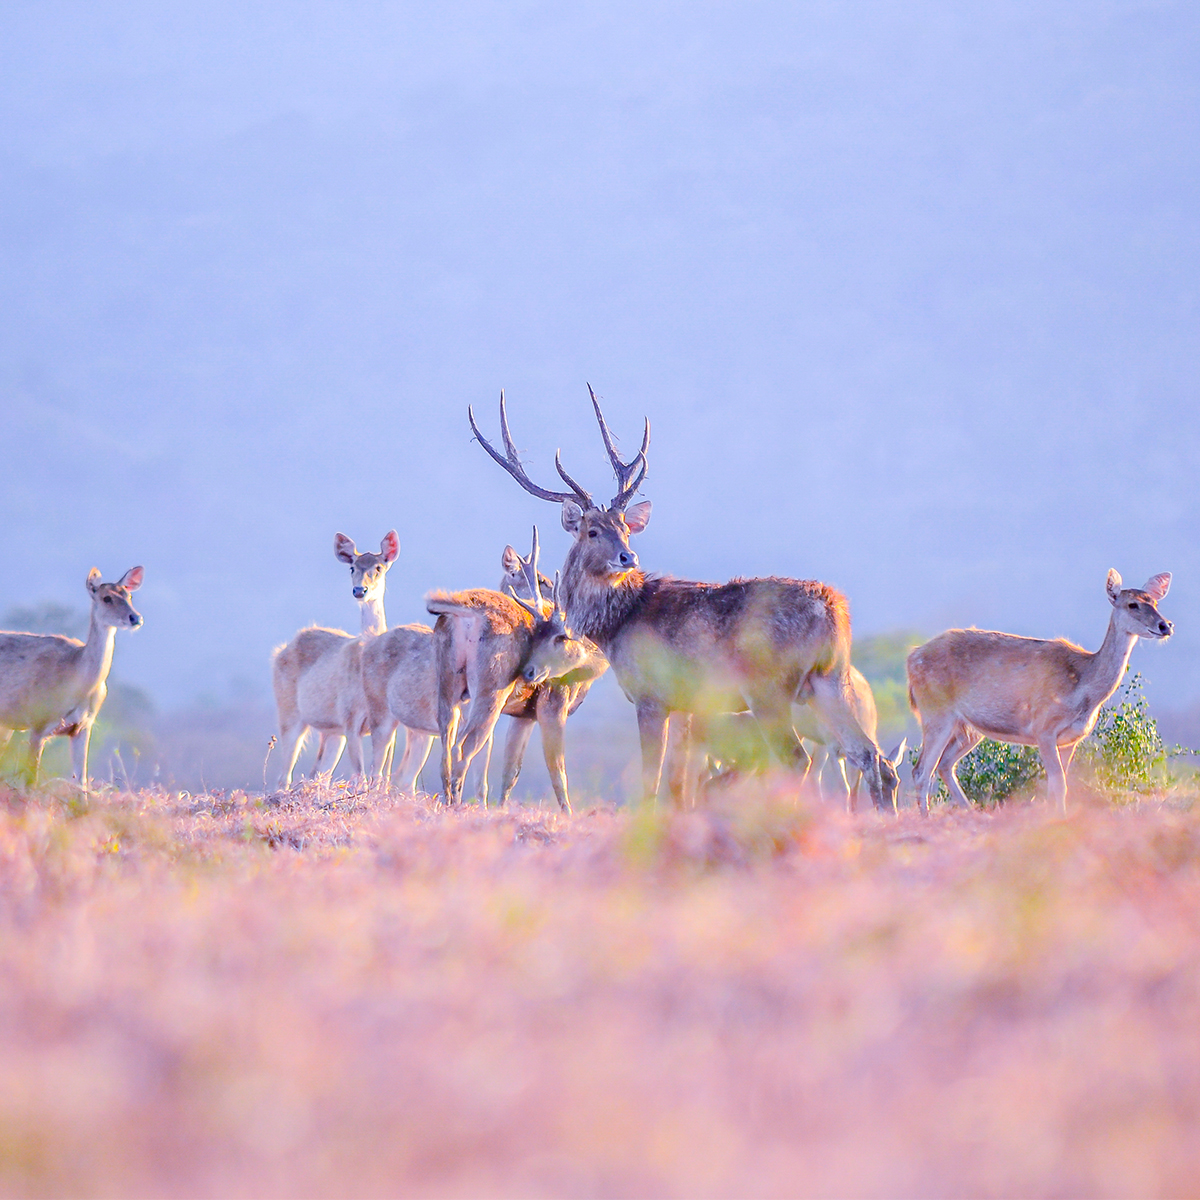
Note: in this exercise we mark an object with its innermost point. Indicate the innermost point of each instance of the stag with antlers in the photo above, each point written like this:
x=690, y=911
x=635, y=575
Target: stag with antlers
x=683, y=647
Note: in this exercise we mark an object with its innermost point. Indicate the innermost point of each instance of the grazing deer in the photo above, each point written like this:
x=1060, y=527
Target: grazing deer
x=685, y=647
x=514, y=656
x=735, y=745
x=54, y=685
x=317, y=676
x=968, y=684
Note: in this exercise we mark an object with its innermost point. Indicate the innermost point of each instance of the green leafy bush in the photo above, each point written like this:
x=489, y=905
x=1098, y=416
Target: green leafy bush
x=1124, y=750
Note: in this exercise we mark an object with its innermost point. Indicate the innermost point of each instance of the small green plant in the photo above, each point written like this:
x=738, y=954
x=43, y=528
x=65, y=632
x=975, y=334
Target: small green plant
x=1124, y=750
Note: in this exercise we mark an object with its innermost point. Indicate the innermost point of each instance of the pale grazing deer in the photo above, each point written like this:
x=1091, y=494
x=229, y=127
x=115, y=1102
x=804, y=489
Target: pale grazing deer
x=317, y=676
x=687, y=647
x=400, y=679
x=968, y=684
x=734, y=743
x=54, y=685
x=514, y=656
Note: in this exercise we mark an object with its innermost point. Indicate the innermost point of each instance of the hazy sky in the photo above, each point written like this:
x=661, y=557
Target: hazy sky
x=909, y=292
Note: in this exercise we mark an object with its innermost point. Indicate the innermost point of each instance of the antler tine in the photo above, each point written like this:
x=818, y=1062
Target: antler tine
x=583, y=495
x=529, y=568
x=511, y=462
x=629, y=477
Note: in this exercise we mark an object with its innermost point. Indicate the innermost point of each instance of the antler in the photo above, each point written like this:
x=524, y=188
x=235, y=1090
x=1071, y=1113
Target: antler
x=512, y=464
x=629, y=478
x=530, y=571
x=558, y=616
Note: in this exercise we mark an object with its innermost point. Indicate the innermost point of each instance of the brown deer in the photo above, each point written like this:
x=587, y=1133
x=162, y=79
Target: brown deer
x=54, y=685
x=968, y=684
x=317, y=676
x=678, y=646
x=508, y=655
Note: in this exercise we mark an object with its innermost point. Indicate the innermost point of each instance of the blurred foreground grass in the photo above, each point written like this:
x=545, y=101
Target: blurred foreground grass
x=365, y=995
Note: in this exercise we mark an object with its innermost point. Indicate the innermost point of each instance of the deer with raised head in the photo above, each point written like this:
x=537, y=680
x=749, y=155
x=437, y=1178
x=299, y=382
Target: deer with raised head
x=54, y=685
x=317, y=676
x=684, y=647
x=968, y=684
x=508, y=655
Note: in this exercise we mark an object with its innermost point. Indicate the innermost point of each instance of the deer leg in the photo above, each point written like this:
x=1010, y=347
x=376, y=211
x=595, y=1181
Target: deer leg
x=853, y=789
x=449, y=712
x=485, y=768
x=961, y=744
x=33, y=762
x=935, y=737
x=332, y=745
x=553, y=707
x=1056, y=777
x=291, y=742
x=481, y=721
x=354, y=752
x=417, y=746
x=383, y=746
x=652, y=731
x=515, y=743
x=679, y=764
x=79, y=753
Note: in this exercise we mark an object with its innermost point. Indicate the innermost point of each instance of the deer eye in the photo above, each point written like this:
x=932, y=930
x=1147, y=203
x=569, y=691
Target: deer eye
x=1133, y=604
x=592, y=533
x=107, y=599
x=560, y=639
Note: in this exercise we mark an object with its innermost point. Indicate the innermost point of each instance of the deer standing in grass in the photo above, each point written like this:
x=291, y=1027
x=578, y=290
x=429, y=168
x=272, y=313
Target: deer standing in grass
x=968, y=684
x=54, y=685
x=685, y=647
x=317, y=676
x=514, y=656
x=400, y=676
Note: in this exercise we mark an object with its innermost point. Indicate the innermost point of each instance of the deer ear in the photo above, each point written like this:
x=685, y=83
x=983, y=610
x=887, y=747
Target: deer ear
x=1158, y=585
x=510, y=561
x=897, y=755
x=390, y=546
x=343, y=548
x=1113, y=586
x=132, y=579
x=572, y=516
x=93, y=580
x=637, y=516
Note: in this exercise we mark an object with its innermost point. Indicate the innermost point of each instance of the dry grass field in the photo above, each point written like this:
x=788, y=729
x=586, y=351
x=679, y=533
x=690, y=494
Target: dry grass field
x=362, y=995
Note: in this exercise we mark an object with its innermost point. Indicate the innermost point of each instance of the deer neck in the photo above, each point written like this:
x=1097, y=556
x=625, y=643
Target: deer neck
x=95, y=659
x=373, y=620
x=1107, y=666
x=598, y=608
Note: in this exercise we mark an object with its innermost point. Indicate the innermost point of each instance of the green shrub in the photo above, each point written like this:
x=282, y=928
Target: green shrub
x=1124, y=750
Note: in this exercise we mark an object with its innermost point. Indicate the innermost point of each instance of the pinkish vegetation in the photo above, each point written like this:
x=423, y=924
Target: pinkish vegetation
x=369, y=996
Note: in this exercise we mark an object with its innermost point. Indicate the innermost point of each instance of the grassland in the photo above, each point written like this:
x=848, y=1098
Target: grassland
x=367, y=995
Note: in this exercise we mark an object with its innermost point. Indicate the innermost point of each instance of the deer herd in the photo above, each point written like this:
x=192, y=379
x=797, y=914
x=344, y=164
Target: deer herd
x=744, y=672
